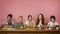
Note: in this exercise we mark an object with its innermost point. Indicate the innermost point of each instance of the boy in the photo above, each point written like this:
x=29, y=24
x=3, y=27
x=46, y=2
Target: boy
x=52, y=24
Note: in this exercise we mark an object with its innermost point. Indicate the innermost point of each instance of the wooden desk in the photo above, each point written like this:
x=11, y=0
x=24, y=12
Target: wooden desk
x=29, y=32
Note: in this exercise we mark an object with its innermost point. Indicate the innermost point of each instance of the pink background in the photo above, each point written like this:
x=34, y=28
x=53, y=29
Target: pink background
x=29, y=7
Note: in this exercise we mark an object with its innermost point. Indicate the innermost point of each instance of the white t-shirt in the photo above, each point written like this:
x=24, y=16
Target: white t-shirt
x=52, y=24
x=28, y=23
x=40, y=24
x=7, y=22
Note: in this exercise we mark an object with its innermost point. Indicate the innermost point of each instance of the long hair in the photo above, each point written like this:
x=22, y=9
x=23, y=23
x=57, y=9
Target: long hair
x=37, y=22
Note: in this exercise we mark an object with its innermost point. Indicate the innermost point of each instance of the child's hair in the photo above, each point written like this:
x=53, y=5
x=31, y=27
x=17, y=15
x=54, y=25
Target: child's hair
x=37, y=22
x=29, y=16
x=10, y=15
x=52, y=17
x=21, y=17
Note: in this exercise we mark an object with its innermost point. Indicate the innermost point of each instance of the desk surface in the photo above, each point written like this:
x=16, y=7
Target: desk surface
x=24, y=31
x=29, y=31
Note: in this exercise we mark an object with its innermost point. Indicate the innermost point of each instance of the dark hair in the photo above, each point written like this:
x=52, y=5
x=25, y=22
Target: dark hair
x=10, y=15
x=52, y=17
x=29, y=16
x=39, y=20
x=21, y=17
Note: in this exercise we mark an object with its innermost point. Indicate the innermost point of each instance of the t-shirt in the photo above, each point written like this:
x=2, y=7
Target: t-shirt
x=40, y=24
x=52, y=24
x=18, y=24
x=28, y=23
x=9, y=22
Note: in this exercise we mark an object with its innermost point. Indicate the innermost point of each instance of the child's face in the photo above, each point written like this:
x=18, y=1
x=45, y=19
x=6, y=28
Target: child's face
x=40, y=16
x=53, y=20
x=30, y=18
x=20, y=19
x=9, y=18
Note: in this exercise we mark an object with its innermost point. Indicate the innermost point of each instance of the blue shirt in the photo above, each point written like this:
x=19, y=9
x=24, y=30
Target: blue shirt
x=18, y=24
x=9, y=22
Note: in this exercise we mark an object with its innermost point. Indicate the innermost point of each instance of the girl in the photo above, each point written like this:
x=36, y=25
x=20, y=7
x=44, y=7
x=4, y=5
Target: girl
x=29, y=23
x=40, y=21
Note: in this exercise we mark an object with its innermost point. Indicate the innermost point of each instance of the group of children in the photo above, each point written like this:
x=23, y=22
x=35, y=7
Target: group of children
x=40, y=23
